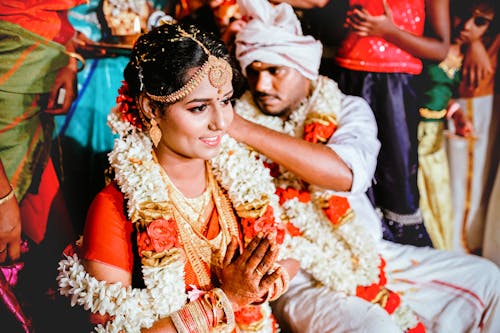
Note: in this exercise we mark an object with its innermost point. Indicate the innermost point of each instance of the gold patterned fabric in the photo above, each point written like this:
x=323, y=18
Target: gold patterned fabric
x=434, y=184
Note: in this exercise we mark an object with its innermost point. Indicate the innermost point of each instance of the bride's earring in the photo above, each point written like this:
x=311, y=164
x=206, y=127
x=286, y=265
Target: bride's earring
x=154, y=132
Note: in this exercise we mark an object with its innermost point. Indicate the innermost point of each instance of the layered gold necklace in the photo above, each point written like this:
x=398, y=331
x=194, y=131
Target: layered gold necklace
x=189, y=214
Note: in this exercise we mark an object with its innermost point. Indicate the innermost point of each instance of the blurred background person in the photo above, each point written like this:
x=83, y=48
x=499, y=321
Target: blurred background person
x=37, y=81
x=473, y=160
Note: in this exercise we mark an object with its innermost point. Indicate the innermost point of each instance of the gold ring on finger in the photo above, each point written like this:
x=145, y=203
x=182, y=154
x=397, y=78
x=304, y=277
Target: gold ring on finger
x=257, y=270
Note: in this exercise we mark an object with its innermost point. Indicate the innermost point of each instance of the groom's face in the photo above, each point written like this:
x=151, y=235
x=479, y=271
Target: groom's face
x=277, y=90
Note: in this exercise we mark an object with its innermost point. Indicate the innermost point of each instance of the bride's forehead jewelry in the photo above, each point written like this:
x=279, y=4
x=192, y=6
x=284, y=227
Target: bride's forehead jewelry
x=218, y=70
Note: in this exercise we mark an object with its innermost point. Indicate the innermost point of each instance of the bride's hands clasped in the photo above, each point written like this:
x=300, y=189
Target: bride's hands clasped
x=247, y=277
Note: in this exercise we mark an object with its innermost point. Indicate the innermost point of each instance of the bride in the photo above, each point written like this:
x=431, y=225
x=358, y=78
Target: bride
x=171, y=245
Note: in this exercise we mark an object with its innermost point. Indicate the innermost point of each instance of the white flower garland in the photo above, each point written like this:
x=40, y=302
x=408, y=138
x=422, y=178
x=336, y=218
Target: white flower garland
x=330, y=250
x=244, y=177
x=323, y=251
x=132, y=308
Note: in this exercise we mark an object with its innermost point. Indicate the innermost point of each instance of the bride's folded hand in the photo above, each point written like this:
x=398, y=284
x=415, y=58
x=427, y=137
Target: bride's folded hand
x=247, y=277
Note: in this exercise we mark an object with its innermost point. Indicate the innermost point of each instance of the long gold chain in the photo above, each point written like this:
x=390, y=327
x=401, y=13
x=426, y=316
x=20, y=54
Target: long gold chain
x=201, y=251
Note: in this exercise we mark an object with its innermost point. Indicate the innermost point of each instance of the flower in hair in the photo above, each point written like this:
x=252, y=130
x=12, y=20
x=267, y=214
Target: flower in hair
x=127, y=106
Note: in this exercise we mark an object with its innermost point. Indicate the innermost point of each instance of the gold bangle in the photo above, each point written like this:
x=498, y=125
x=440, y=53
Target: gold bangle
x=286, y=280
x=178, y=323
x=210, y=299
x=208, y=310
x=78, y=57
x=199, y=317
x=8, y=196
x=224, y=304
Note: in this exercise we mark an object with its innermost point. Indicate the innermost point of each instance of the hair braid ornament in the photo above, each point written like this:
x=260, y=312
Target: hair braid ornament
x=218, y=70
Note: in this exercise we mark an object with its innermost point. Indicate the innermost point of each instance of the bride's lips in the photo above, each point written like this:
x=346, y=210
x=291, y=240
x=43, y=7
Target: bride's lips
x=212, y=141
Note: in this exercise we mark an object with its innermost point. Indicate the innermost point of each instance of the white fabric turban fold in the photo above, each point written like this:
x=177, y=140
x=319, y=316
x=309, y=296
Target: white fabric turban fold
x=274, y=35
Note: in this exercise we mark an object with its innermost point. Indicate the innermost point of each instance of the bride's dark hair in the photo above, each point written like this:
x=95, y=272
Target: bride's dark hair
x=161, y=59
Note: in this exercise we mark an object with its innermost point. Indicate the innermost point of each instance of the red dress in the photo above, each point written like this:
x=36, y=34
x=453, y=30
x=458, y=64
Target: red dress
x=375, y=54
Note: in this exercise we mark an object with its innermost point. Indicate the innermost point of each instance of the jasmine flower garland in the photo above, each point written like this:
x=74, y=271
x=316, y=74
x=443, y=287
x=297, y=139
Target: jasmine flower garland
x=330, y=251
x=340, y=257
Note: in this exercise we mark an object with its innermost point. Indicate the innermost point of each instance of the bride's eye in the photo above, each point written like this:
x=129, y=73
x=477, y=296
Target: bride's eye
x=199, y=108
x=227, y=101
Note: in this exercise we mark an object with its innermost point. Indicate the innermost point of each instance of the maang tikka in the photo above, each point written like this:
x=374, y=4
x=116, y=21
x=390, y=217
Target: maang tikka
x=218, y=70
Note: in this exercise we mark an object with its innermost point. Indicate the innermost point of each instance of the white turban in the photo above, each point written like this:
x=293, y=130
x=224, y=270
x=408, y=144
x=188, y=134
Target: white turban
x=274, y=35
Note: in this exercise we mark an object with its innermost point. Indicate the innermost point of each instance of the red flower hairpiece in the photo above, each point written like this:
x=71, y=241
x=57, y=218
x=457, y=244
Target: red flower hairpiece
x=127, y=106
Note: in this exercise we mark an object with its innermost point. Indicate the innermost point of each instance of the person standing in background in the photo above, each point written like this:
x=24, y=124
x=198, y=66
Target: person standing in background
x=378, y=60
x=439, y=84
x=83, y=133
x=472, y=160
x=491, y=244
x=37, y=81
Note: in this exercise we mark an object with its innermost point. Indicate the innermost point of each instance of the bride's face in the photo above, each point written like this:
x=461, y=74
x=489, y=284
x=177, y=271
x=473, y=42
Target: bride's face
x=192, y=128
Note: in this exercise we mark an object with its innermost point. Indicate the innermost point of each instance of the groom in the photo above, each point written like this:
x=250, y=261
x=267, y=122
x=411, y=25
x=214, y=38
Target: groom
x=339, y=152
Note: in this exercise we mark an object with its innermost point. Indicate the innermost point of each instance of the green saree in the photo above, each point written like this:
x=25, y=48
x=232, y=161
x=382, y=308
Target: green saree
x=25, y=130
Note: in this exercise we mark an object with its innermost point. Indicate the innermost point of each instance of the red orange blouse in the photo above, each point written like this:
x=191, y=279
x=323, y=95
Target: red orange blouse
x=107, y=233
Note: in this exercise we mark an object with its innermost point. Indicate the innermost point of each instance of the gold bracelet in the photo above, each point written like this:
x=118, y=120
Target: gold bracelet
x=208, y=310
x=286, y=281
x=199, y=318
x=224, y=304
x=8, y=196
x=78, y=57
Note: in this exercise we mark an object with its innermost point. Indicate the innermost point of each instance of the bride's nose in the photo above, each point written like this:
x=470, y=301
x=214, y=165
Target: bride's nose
x=218, y=121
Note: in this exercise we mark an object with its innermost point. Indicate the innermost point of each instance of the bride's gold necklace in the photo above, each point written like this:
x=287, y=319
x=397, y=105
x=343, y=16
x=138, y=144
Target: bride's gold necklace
x=192, y=209
x=189, y=216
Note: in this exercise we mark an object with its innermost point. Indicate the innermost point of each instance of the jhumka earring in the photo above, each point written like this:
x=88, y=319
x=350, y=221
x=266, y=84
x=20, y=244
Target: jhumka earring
x=154, y=132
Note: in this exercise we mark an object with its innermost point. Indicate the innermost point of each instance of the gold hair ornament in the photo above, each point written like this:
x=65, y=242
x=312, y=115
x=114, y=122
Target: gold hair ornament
x=218, y=70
